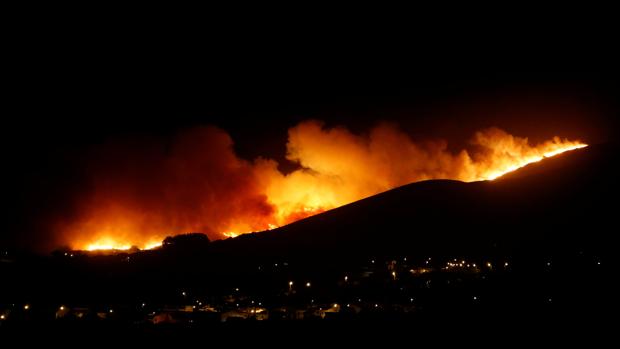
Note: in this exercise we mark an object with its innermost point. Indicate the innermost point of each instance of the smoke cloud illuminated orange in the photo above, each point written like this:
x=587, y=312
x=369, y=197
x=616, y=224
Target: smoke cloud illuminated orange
x=199, y=184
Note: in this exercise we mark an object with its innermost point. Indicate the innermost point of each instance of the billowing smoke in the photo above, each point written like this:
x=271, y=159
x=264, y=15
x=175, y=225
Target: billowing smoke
x=198, y=183
x=141, y=194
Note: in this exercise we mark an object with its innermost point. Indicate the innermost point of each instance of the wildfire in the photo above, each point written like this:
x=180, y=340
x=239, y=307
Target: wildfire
x=516, y=163
x=152, y=245
x=232, y=234
x=108, y=246
x=113, y=244
x=201, y=185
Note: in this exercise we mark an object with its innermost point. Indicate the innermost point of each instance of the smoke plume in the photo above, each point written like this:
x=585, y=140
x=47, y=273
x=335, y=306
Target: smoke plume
x=198, y=183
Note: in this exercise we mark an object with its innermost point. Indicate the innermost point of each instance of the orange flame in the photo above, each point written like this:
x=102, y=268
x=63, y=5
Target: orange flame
x=114, y=244
x=511, y=161
x=204, y=186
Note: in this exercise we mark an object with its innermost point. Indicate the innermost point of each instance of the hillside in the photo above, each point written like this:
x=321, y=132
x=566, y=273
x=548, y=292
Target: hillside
x=558, y=199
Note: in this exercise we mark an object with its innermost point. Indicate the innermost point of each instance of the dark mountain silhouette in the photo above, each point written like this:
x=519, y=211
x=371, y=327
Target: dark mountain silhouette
x=564, y=199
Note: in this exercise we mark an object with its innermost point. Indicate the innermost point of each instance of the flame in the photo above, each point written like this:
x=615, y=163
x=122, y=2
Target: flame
x=109, y=243
x=201, y=185
x=513, y=164
x=232, y=234
x=340, y=167
x=152, y=245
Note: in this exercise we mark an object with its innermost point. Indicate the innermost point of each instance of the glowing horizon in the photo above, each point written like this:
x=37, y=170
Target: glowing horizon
x=337, y=167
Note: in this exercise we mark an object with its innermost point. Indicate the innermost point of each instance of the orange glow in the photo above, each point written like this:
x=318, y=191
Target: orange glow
x=501, y=165
x=201, y=185
x=152, y=245
x=107, y=244
x=340, y=167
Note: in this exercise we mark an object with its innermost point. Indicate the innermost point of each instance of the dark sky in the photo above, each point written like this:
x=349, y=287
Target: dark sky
x=67, y=94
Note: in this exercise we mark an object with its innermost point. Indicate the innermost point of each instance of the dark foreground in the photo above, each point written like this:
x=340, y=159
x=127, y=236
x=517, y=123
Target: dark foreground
x=531, y=254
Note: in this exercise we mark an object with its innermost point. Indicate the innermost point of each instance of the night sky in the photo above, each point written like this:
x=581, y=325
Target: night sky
x=68, y=95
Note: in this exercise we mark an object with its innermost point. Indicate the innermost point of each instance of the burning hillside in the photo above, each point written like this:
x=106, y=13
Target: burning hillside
x=198, y=183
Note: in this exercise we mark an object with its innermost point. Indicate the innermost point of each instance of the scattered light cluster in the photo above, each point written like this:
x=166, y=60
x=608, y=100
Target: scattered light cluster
x=458, y=264
x=300, y=295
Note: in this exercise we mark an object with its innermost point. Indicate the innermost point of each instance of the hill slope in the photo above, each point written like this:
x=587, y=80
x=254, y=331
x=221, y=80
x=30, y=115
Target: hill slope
x=556, y=200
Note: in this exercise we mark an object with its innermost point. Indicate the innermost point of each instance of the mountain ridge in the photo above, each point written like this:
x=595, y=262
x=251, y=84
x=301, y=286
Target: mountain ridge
x=429, y=213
